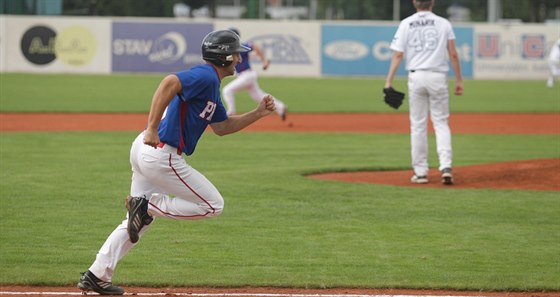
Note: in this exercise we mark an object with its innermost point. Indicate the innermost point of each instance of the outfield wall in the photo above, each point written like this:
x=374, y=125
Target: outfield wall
x=295, y=48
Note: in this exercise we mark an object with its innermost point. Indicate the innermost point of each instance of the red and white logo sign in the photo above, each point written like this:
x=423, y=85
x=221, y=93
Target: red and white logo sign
x=488, y=46
x=533, y=46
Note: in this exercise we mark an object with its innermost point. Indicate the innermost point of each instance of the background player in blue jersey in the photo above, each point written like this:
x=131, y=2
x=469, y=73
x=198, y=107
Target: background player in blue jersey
x=246, y=79
x=184, y=104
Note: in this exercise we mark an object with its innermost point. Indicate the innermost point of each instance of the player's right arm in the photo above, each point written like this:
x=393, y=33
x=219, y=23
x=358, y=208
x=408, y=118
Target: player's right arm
x=397, y=46
x=167, y=89
x=260, y=53
x=395, y=62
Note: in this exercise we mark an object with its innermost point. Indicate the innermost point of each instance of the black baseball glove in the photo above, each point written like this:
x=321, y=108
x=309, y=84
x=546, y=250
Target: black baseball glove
x=393, y=97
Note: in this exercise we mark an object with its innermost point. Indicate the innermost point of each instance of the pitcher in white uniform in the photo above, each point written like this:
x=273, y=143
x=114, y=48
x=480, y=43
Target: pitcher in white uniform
x=427, y=42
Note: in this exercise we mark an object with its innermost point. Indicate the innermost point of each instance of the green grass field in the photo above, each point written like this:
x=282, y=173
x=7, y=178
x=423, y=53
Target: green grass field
x=62, y=194
x=133, y=93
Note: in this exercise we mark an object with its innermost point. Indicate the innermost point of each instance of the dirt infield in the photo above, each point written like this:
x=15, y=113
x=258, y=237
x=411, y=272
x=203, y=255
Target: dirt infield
x=542, y=123
x=532, y=175
x=520, y=175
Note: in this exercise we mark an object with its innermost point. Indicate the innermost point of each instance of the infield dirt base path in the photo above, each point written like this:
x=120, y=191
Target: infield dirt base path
x=531, y=175
x=528, y=175
x=487, y=123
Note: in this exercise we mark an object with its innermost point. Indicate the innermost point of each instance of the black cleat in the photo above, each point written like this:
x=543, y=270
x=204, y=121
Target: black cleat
x=138, y=216
x=446, y=176
x=419, y=179
x=90, y=282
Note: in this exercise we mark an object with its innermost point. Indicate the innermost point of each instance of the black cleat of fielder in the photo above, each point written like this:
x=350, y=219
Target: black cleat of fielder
x=138, y=216
x=446, y=176
x=90, y=282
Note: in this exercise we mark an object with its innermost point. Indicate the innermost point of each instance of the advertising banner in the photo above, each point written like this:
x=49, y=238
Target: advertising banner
x=465, y=48
x=39, y=44
x=2, y=43
x=513, y=51
x=56, y=44
x=157, y=47
x=292, y=47
x=364, y=50
x=360, y=50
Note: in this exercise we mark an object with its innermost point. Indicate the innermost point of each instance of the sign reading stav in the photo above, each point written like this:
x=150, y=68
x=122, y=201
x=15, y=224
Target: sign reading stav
x=157, y=47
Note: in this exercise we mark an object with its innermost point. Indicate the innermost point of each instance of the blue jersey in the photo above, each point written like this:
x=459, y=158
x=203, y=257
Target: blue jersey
x=190, y=112
x=244, y=65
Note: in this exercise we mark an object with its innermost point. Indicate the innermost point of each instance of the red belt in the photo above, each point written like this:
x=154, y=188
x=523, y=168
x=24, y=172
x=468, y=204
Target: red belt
x=162, y=144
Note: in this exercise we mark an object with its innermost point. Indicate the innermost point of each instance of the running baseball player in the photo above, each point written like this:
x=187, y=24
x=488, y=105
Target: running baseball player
x=183, y=105
x=554, y=64
x=427, y=42
x=246, y=79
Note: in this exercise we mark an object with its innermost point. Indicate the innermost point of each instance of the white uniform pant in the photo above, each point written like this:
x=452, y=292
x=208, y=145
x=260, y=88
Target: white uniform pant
x=157, y=174
x=247, y=80
x=429, y=94
x=554, y=64
x=554, y=67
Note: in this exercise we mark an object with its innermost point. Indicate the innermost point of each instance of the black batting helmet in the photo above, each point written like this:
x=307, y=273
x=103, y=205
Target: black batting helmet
x=235, y=31
x=219, y=46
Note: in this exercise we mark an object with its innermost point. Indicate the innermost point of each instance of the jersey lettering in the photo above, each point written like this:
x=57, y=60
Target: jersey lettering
x=422, y=23
x=426, y=39
x=208, y=111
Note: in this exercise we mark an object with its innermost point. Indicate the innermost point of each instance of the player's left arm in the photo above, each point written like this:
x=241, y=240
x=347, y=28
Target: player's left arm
x=261, y=56
x=456, y=65
x=236, y=123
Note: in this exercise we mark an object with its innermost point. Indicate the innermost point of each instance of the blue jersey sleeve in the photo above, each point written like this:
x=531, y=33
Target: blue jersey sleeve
x=220, y=114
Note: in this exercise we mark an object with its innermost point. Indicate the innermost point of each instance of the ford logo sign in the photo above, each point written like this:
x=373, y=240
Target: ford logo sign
x=347, y=50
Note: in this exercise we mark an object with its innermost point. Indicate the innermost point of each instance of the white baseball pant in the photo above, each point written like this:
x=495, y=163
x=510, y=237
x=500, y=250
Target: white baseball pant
x=158, y=174
x=428, y=93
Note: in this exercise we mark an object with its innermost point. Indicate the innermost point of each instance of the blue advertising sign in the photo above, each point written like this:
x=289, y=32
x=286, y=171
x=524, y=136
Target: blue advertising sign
x=356, y=49
x=364, y=50
x=157, y=47
x=464, y=42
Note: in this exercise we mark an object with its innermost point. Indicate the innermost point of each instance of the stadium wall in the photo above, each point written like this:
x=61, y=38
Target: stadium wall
x=296, y=48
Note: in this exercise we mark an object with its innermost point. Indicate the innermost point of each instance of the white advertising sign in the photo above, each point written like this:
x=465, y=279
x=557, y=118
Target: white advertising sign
x=2, y=43
x=57, y=44
x=514, y=51
x=293, y=47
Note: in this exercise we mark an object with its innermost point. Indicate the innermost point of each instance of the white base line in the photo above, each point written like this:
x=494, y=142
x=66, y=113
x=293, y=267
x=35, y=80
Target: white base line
x=225, y=294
